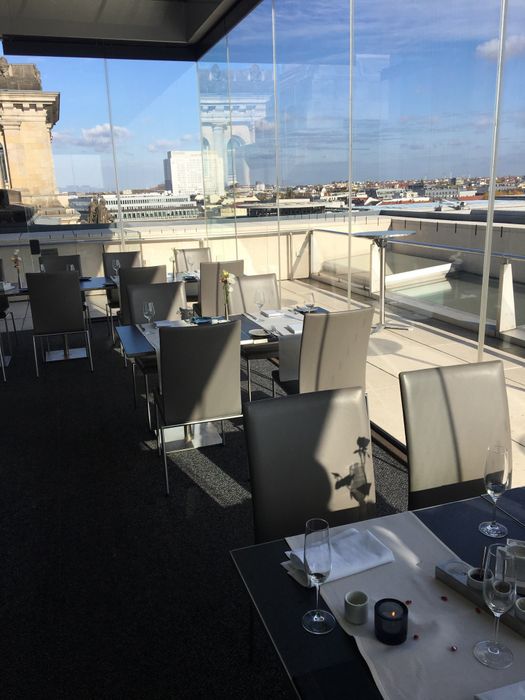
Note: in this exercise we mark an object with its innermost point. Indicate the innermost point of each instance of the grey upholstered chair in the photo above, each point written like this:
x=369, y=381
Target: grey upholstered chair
x=200, y=377
x=310, y=455
x=452, y=415
x=137, y=275
x=249, y=285
x=211, y=295
x=333, y=352
x=189, y=259
x=59, y=263
x=1, y=269
x=126, y=259
x=57, y=309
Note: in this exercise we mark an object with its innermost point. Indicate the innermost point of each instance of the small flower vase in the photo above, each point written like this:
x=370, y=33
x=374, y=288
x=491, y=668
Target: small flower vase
x=18, y=275
x=226, y=306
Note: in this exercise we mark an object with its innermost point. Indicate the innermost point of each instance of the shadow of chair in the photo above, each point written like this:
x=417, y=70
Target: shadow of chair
x=332, y=352
x=211, y=294
x=310, y=455
x=126, y=259
x=452, y=415
x=168, y=298
x=57, y=310
x=189, y=259
x=199, y=367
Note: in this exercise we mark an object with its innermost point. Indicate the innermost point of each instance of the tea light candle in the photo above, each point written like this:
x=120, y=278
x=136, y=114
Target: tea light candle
x=391, y=621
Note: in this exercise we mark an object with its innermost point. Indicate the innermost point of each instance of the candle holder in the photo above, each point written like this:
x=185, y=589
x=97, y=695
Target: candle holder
x=390, y=621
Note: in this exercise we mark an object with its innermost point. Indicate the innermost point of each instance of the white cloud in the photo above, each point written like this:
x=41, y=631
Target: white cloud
x=514, y=46
x=164, y=145
x=97, y=138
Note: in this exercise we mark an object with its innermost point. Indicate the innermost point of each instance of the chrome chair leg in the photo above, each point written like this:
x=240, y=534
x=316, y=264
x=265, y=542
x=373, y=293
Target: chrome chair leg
x=273, y=388
x=88, y=345
x=36, y=355
x=158, y=427
x=165, y=463
x=148, y=407
x=134, y=376
x=248, y=370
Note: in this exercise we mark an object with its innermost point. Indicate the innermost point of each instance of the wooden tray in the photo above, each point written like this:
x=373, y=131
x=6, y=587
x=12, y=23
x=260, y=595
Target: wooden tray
x=458, y=582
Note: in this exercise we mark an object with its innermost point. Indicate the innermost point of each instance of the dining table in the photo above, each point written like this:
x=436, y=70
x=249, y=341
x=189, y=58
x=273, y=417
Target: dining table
x=331, y=665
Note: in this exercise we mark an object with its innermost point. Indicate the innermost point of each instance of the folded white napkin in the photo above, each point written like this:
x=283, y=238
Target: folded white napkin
x=353, y=551
x=516, y=691
x=270, y=313
x=295, y=327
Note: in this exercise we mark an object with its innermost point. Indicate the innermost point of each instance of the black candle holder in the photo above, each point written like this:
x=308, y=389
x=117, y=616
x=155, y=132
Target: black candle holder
x=391, y=621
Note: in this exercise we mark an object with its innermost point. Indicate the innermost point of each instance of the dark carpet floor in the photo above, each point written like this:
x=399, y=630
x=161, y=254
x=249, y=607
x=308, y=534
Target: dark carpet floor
x=109, y=589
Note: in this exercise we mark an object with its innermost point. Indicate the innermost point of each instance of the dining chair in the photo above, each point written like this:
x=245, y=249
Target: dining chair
x=332, y=354
x=5, y=311
x=136, y=275
x=452, y=415
x=189, y=259
x=57, y=310
x=168, y=298
x=59, y=263
x=309, y=455
x=126, y=259
x=200, y=378
x=250, y=285
x=211, y=294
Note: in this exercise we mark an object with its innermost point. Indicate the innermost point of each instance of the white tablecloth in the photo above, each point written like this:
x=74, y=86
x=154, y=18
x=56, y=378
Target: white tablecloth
x=424, y=668
x=289, y=343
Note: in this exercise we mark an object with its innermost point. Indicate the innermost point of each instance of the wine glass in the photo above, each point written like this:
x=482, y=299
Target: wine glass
x=189, y=261
x=71, y=268
x=499, y=592
x=497, y=481
x=259, y=300
x=115, y=264
x=317, y=565
x=148, y=309
x=42, y=267
x=309, y=302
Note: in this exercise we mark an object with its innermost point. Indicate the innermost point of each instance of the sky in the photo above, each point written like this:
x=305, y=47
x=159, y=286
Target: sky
x=423, y=94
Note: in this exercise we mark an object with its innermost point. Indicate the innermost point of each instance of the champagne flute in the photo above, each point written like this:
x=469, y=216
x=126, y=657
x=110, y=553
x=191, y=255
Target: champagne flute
x=317, y=565
x=499, y=592
x=148, y=309
x=309, y=302
x=259, y=300
x=497, y=481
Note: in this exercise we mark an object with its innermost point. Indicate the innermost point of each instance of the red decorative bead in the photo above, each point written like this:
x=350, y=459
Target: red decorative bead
x=416, y=636
x=408, y=602
x=478, y=611
x=444, y=597
x=453, y=648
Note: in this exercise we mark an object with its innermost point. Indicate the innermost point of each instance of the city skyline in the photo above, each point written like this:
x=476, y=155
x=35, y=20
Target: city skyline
x=423, y=95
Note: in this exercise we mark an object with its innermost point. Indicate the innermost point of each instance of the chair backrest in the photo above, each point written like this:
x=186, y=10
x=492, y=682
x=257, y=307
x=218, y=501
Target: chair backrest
x=137, y=275
x=310, y=456
x=167, y=297
x=452, y=415
x=48, y=251
x=267, y=283
x=126, y=259
x=189, y=259
x=56, y=302
x=1, y=269
x=200, y=372
x=60, y=263
x=334, y=349
x=211, y=295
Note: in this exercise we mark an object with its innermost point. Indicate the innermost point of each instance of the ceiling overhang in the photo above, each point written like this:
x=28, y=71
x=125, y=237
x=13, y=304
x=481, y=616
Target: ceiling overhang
x=179, y=30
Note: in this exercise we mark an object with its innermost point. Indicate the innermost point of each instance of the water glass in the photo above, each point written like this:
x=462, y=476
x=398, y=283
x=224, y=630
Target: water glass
x=499, y=592
x=148, y=309
x=309, y=302
x=259, y=300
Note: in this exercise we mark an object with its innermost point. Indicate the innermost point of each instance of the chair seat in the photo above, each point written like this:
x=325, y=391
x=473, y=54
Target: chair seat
x=290, y=387
x=147, y=365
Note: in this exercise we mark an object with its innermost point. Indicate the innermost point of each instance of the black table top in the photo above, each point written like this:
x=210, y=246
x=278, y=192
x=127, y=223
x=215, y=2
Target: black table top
x=331, y=666
x=135, y=344
x=87, y=284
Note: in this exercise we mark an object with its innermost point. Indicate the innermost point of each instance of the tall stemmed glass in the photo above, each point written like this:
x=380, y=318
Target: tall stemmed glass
x=259, y=300
x=317, y=565
x=148, y=309
x=189, y=265
x=499, y=592
x=497, y=481
x=309, y=302
x=115, y=264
